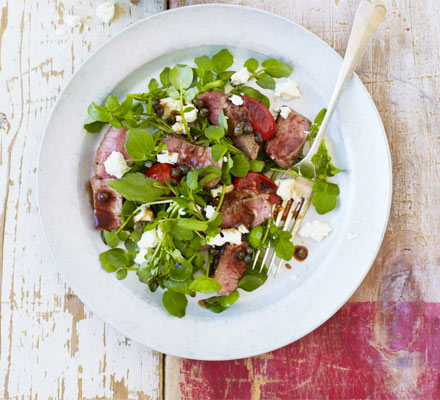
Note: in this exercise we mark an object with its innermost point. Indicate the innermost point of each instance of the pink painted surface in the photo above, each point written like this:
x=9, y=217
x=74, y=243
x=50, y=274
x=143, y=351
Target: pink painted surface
x=386, y=350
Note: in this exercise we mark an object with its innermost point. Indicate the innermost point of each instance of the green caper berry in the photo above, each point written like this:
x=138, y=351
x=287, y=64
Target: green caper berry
x=199, y=103
x=247, y=259
x=175, y=172
x=240, y=255
x=258, y=137
x=248, y=128
x=249, y=250
x=204, y=112
x=238, y=129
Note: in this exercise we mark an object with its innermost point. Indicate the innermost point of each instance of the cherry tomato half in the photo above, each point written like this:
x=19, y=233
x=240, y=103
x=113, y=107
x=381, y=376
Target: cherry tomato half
x=160, y=172
x=259, y=183
x=260, y=118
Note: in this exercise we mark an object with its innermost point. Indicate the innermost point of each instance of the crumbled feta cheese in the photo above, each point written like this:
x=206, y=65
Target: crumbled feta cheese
x=236, y=100
x=242, y=229
x=140, y=257
x=181, y=211
x=225, y=159
x=148, y=239
x=226, y=236
x=285, y=111
x=209, y=211
x=115, y=164
x=170, y=106
x=351, y=235
x=179, y=128
x=288, y=89
x=240, y=77
x=217, y=191
x=73, y=21
x=144, y=214
x=168, y=157
x=228, y=88
x=286, y=188
x=315, y=230
x=106, y=11
x=190, y=116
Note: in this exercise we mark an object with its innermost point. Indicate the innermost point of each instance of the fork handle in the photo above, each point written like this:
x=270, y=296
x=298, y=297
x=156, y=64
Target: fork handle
x=368, y=17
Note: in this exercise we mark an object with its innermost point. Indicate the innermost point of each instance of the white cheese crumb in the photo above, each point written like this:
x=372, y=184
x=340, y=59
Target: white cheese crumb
x=288, y=89
x=181, y=211
x=226, y=236
x=236, y=100
x=140, y=257
x=73, y=21
x=209, y=211
x=228, y=88
x=217, y=191
x=190, y=116
x=285, y=111
x=286, y=188
x=351, y=235
x=242, y=229
x=168, y=157
x=144, y=214
x=106, y=11
x=169, y=106
x=178, y=128
x=240, y=77
x=115, y=164
x=225, y=159
x=315, y=230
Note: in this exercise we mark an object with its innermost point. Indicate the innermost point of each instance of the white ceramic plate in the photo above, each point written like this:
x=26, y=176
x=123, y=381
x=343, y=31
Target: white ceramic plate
x=284, y=309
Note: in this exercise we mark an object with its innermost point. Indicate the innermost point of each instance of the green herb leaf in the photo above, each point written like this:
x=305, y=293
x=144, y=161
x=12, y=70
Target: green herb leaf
x=139, y=144
x=255, y=94
x=173, y=93
x=251, y=282
x=99, y=113
x=191, y=94
x=276, y=68
x=111, y=103
x=178, y=286
x=241, y=166
x=214, y=133
x=94, y=126
x=222, y=121
x=113, y=259
x=153, y=85
x=181, y=76
x=284, y=248
x=181, y=273
x=322, y=161
x=206, y=285
x=256, y=165
x=192, y=224
x=192, y=179
x=222, y=60
x=165, y=77
x=137, y=187
x=266, y=81
x=219, y=304
x=203, y=62
x=218, y=151
x=175, y=303
x=255, y=235
x=111, y=238
x=251, y=64
x=325, y=196
x=121, y=273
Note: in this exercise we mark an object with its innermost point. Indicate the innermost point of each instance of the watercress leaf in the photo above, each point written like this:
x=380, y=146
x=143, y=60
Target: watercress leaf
x=325, y=196
x=284, y=248
x=181, y=273
x=205, y=285
x=250, y=282
x=203, y=62
x=137, y=187
x=165, y=77
x=94, y=126
x=219, y=304
x=181, y=76
x=139, y=144
x=191, y=93
x=123, y=235
x=125, y=109
x=115, y=123
x=222, y=121
x=153, y=85
x=175, y=303
x=256, y=165
x=226, y=75
x=192, y=180
x=111, y=238
x=99, y=113
x=266, y=81
x=113, y=259
x=121, y=273
x=222, y=60
x=241, y=166
x=192, y=224
x=131, y=246
x=255, y=235
x=177, y=286
x=276, y=68
x=137, y=108
x=199, y=260
x=112, y=103
x=218, y=151
x=255, y=94
x=173, y=93
x=251, y=64
x=127, y=209
x=214, y=133
x=180, y=233
x=307, y=171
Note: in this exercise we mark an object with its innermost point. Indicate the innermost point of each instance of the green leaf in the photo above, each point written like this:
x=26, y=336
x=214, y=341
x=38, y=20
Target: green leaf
x=113, y=259
x=181, y=76
x=241, y=166
x=276, y=68
x=251, y=64
x=284, y=248
x=266, y=81
x=177, y=286
x=218, y=151
x=203, y=62
x=322, y=161
x=255, y=235
x=325, y=195
x=153, y=85
x=255, y=94
x=99, y=113
x=219, y=304
x=165, y=77
x=131, y=246
x=205, y=285
x=222, y=121
x=94, y=126
x=256, y=165
x=111, y=238
x=175, y=303
x=222, y=60
x=137, y=187
x=250, y=282
x=192, y=224
x=190, y=94
x=139, y=144
x=226, y=75
x=112, y=103
x=121, y=273
x=192, y=179
x=127, y=209
x=173, y=93
x=181, y=273
x=214, y=133
x=125, y=109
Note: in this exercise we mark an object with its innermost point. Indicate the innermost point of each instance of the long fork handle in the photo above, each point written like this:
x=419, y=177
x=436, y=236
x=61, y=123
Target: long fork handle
x=368, y=18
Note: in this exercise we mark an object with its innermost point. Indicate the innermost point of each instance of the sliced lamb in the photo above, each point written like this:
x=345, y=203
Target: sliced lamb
x=287, y=143
x=191, y=154
x=107, y=204
x=245, y=207
x=230, y=269
x=216, y=101
x=113, y=140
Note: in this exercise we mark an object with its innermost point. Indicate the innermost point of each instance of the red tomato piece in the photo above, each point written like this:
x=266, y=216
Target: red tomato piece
x=260, y=118
x=259, y=183
x=160, y=172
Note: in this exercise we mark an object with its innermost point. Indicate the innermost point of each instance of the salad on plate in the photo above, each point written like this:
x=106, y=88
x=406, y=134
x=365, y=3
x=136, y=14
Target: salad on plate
x=185, y=190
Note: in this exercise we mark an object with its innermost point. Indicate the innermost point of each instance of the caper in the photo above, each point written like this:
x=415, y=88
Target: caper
x=238, y=129
x=173, y=182
x=153, y=286
x=184, y=169
x=104, y=196
x=155, y=102
x=247, y=259
x=199, y=103
x=148, y=164
x=258, y=137
x=172, y=119
x=248, y=128
x=249, y=250
x=214, y=251
x=159, y=111
x=240, y=255
x=204, y=112
x=175, y=172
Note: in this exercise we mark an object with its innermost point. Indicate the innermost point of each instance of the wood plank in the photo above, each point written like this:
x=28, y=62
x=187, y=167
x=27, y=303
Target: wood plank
x=51, y=345
x=384, y=337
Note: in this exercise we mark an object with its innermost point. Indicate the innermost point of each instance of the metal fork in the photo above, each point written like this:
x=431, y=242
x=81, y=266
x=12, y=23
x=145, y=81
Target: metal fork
x=369, y=15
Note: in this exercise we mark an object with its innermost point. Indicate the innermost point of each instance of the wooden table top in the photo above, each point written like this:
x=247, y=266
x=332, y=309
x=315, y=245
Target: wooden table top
x=384, y=343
